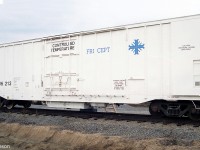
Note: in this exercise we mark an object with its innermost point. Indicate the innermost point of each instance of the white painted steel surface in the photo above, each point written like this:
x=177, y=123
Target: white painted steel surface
x=128, y=64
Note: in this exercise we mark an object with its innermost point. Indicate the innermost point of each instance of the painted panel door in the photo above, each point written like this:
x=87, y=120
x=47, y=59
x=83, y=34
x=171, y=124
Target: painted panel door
x=61, y=68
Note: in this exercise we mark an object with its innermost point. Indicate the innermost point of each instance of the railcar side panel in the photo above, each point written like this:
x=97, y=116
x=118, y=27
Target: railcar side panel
x=185, y=58
x=133, y=64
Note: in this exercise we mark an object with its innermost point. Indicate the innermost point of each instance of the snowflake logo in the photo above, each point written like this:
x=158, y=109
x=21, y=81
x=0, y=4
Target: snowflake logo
x=136, y=47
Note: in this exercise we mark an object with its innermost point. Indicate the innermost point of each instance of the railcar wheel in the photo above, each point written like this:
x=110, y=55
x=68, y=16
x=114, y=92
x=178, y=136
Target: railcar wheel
x=1, y=103
x=154, y=109
x=27, y=104
x=193, y=115
x=10, y=104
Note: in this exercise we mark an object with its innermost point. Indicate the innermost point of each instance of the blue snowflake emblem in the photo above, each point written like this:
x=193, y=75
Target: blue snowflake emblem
x=136, y=47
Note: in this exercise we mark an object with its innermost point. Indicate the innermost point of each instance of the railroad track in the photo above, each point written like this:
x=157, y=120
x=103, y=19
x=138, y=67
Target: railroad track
x=106, y=116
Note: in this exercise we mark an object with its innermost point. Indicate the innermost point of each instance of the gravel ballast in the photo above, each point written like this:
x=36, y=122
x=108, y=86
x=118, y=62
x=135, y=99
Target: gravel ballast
x=125, y=129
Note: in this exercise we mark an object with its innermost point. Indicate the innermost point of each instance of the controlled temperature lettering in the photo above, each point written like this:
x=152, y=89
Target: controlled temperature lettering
x=63, y=46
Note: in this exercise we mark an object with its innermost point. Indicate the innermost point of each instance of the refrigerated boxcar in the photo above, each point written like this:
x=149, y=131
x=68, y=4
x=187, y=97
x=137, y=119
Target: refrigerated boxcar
x=156, y=62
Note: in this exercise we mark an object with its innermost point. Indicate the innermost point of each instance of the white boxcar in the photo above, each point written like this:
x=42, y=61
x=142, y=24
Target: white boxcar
x=131, y=64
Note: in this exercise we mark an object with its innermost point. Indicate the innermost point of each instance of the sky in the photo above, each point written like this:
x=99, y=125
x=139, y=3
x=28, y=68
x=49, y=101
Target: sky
x=27, y=19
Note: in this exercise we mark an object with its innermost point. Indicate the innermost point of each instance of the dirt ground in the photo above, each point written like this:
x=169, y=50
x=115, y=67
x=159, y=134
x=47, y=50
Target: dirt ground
x=21, y=137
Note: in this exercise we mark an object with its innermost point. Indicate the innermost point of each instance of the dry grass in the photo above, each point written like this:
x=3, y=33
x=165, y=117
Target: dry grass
x=42, y=137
